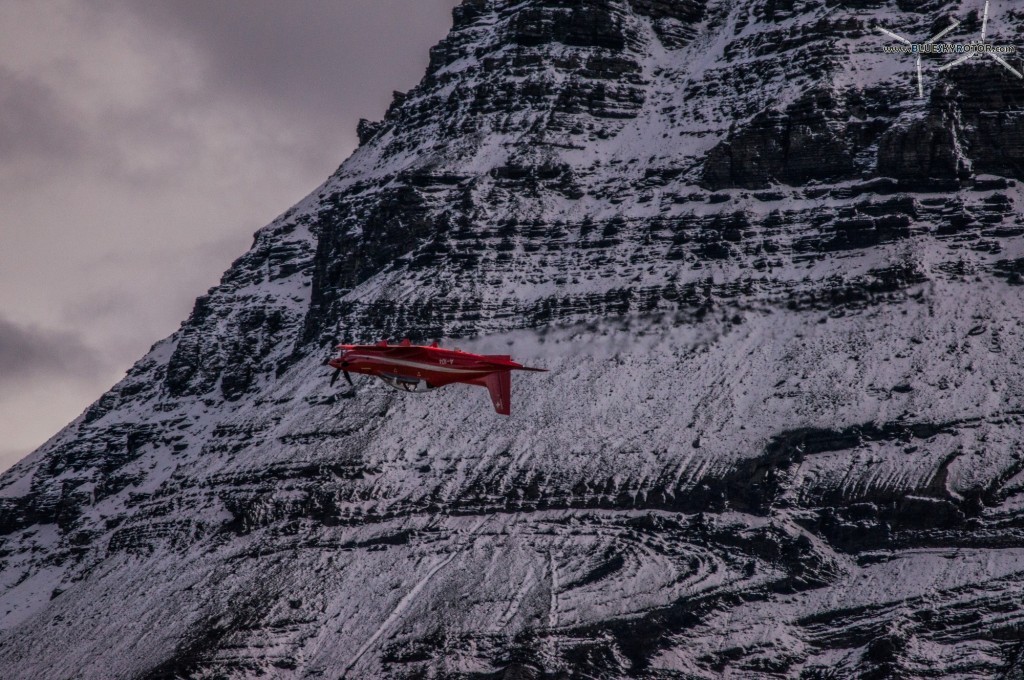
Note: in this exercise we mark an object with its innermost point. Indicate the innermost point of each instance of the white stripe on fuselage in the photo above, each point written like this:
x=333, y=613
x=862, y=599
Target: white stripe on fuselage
x=417, y=364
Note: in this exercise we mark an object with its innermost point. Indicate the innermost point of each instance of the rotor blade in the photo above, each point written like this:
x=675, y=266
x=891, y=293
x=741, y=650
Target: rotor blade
x=334, y=378
x=958, y=61
x=943, y=32
x=1006, y=64
x=984, y=23
x=893, y=35
x=349, y=379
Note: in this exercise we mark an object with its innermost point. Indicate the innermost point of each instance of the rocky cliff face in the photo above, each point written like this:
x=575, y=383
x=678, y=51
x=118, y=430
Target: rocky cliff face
x=780, y=300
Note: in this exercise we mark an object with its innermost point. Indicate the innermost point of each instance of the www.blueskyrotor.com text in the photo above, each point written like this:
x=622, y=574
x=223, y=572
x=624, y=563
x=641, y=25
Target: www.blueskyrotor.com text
x=949, y=48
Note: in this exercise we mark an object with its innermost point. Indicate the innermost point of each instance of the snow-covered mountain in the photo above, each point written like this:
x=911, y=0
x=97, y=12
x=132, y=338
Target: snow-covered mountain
x=780, y=299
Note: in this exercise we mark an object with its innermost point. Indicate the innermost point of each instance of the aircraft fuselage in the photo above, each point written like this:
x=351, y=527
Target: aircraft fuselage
x=413, y=368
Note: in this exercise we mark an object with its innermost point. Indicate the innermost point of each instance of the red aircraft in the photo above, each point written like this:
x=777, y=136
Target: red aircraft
x=416, y=368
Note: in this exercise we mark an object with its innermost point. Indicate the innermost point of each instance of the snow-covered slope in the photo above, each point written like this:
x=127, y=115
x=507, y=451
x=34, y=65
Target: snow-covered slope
x=781, y=435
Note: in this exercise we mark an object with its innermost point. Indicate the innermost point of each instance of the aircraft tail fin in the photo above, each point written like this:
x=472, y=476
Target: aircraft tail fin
x=499, y=384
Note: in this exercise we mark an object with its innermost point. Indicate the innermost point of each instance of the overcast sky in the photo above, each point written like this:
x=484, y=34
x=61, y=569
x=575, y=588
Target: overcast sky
x=142, y=142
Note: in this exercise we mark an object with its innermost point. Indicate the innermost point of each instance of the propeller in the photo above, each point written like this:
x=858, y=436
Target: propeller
x=341, y=369
x=337, y=372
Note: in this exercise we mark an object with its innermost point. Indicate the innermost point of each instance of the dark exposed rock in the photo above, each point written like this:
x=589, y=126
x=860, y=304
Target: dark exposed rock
x=923, y=153
x=368, y=129
x=804, y=143
x=570, y=22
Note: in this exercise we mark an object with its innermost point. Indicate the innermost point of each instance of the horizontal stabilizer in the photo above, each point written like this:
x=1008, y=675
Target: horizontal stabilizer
x=506, y=360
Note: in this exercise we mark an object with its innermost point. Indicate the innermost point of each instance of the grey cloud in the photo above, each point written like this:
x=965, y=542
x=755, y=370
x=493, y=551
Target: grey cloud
x=28, y=353
x=317, y=58
x=297, y=76
x=129, y=310
x=39, y=132
x=33, y=121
